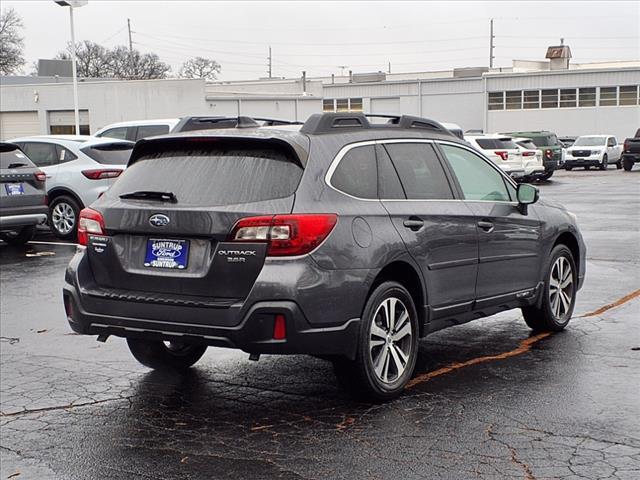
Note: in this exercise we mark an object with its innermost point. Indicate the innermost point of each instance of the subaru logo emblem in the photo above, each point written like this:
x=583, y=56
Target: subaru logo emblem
x=159, y=220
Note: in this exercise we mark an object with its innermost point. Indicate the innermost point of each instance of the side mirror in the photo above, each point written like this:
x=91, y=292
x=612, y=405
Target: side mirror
x=527, y=194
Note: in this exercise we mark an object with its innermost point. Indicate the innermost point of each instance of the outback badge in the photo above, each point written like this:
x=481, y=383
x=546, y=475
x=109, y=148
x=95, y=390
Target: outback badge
x=159, y=220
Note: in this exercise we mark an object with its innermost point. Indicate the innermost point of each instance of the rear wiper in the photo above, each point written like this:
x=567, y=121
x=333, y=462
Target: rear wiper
x=17, y=165
x=151, y=195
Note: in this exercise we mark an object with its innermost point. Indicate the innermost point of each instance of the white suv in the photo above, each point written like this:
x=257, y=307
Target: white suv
x=501, y=150
x=78, y=169
x=138, y=129
x=531, y=159
x=594, y=151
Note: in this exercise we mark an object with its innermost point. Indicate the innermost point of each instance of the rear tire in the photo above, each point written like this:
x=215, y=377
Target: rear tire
x=627, y=164
x=387, y=346
x=558, y=294
x=19, y=237
x=63, y=217
x=605, y=163
x=158, y=355
x=619, y=165
x=568, y=168
x=546, y=175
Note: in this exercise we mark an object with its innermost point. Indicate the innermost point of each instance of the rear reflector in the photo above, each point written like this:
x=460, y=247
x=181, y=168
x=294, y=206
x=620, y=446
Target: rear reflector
x=100, y=174
x=279, y=328
x=286, y=235
x=90, y=223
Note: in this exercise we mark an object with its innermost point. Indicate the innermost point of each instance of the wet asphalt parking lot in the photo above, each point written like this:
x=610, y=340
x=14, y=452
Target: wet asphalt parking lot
x=488, y=400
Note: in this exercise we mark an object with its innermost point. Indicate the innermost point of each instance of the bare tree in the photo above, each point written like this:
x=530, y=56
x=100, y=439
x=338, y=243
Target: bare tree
x=92, y=60
x=200, y=67
x=11, y=42
x=95, y=61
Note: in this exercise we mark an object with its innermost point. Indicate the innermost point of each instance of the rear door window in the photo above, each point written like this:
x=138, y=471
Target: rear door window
x=420, y=171
x=119, y=132
x=42, y=154
x=356, y=173
x=214, y=175
x=145, y=131
x=64, y=154
x=109, y=153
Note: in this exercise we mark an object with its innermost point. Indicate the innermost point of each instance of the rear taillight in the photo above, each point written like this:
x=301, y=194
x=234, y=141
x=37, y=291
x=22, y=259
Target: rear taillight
x=286, y=234
x=627, y=145
x=528, y=154
x=40, y=176
x=502, y=154
x=100, y=174
x=90, y=223
x=549, y=154
x=279, y=328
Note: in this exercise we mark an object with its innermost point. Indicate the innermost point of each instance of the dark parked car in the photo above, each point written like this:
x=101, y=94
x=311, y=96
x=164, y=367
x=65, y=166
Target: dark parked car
x=550, y=147
x=341, y=239
x=23, y=198
x=631, y=152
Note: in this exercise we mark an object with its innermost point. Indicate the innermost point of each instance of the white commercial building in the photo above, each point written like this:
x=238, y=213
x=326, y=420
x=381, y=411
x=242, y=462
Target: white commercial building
x=572, y=100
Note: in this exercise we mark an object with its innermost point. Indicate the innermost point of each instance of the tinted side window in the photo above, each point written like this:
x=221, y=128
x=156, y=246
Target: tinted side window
x=120, y=133
x=420, y=171
x=42, y=154
x=389, y=186
x=478, y=180
x=145, y=131
x=356, y=173
x=65, y=155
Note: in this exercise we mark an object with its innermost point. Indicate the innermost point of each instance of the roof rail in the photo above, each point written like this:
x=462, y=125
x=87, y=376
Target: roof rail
x=187, y=124
x=320, y=123
x=270, y=122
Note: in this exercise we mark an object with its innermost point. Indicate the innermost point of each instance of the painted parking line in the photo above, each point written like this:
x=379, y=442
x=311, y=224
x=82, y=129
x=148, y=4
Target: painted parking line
x=523, y=347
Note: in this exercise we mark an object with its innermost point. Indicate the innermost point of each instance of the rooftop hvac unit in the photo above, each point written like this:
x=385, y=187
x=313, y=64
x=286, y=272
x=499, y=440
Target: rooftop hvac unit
x=469, y=72
x=369, y=77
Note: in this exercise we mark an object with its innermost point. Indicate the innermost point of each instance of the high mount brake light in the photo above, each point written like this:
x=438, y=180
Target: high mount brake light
x=90, y=223
x=286, y=235
x=101, y=173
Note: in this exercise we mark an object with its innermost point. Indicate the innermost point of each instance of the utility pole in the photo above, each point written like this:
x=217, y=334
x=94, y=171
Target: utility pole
x=389, y=67
x=491, y=47
x=269, y=58
x=130, y=41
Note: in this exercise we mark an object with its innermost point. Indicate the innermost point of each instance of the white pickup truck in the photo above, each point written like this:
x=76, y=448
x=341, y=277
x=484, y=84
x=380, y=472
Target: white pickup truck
x=594, y=151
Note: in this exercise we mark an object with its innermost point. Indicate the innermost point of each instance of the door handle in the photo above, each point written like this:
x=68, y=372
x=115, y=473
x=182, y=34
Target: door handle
x=486, y=226
x=413, y=223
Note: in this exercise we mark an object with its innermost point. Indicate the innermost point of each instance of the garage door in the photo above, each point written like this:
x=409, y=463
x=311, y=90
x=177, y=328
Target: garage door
x=385, y=105
x=18, y=124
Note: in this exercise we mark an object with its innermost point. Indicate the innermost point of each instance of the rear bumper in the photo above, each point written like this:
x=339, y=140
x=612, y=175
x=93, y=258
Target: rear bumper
x=246, y=325
x=634, y=157
x=13, y=221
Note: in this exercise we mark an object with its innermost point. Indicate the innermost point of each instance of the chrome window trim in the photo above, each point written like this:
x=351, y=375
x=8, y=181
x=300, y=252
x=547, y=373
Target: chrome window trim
x=344, y=150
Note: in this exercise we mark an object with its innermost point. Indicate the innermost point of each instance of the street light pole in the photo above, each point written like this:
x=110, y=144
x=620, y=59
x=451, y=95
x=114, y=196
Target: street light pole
x=73, y=4
x=75, y=72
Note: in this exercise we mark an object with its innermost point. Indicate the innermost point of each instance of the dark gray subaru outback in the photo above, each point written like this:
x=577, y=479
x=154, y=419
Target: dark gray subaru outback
x=343, y=238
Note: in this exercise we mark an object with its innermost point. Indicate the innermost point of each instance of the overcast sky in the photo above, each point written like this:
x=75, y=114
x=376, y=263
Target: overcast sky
x=319, y=37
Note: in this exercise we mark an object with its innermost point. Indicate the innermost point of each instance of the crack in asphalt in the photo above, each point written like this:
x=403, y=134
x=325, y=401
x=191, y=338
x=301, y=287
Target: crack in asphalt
x=68, y=406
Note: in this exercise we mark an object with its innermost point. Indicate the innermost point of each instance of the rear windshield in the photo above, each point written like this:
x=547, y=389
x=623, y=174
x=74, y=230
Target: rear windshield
x=496, y=144
x=545, y=140
x=110, y=153
x=13, y=159
x=215, y=175
x=590, y=141
x=528, y=144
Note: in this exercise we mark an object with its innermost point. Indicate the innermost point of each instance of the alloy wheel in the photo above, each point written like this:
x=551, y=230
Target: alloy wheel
x=561, y=288
x=390, y=341
x=63, y=218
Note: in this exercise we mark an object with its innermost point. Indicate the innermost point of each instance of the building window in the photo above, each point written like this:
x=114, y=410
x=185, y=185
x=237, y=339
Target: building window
x=587, y=97
x=629, y=95
x=531, y=98
x=68, y=129
x=568, y=98
x=550, y=98
x=355, y=104
x=496, y=101
x=608, y=96
x=342, y=105
x=514, y=100
x=327, y=105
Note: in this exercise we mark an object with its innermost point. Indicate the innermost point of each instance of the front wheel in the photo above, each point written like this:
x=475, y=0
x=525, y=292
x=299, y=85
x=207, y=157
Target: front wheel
x=161, y=355
x=387, y=346
x=558, y=294
x=19, y=237
x=605, y=163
